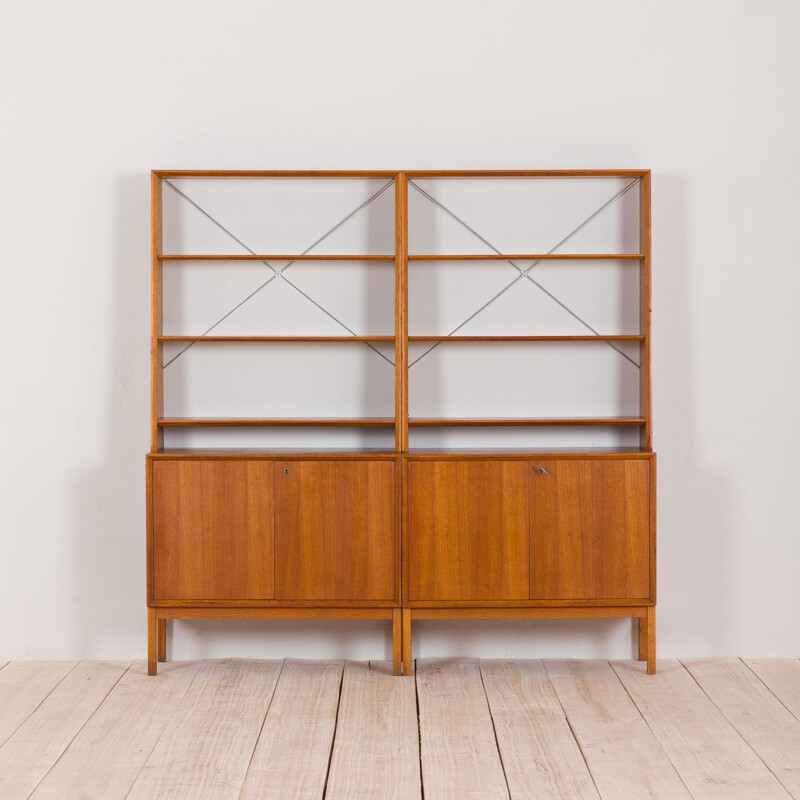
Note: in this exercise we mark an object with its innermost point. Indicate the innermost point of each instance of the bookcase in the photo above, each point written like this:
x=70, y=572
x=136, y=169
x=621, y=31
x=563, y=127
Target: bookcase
x=401, y=395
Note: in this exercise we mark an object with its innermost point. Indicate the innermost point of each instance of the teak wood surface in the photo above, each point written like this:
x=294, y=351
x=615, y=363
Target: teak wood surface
x=401, y=534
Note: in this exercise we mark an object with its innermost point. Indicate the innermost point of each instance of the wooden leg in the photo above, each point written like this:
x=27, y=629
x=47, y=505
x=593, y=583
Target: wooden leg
x=650, y=639
x=642, y=623
x=152, y=642
x=397, y=641
x=406, y=641
x=162, y=639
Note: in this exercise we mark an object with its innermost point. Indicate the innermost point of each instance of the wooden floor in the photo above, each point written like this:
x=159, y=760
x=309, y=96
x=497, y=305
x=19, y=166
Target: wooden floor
x=459, y=728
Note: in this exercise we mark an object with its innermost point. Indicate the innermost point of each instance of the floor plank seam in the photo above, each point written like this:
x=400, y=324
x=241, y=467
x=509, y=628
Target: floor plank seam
x=736, y=730
x=335, y=728
x=571, y=729
x=33, y=711
x=650, y=728
x=766, y=686
x=419, y=733
x=164, y=730
x=263, y=723
x=494, y=728
x=85, y=723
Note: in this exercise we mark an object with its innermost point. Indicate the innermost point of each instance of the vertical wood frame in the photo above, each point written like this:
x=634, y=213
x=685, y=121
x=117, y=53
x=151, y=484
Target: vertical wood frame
x=645, y=408
x=156, y=394
x=401, y=312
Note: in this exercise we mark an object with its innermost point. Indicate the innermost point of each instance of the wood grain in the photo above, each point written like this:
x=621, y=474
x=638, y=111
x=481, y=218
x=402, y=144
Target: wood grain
x=708, y=754
x=459, y=755
x=23, y=686
x=623, y=755
x=590, y=529
x=468, y=530
x=540, y=755
x=334, y=530
x=767, y=725
x=205, y=749
x=109, y=752
x=36, y=745
x=213, y=530
x=376, y=751
x=290, y=761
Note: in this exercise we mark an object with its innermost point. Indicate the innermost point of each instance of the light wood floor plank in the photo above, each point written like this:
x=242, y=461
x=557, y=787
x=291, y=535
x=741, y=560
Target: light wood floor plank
x=31, y=751
x=625, y=758
x=782, y=677
x=291, y=758
x=714, y=762
x=23, y=686
x=376, y=752
x=460, y=760
x=108, y=754
x=540, y=755
x=205, y=749
x=761, y=719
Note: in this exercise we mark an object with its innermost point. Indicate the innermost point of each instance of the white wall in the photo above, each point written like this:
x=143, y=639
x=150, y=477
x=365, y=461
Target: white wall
x=95, y=94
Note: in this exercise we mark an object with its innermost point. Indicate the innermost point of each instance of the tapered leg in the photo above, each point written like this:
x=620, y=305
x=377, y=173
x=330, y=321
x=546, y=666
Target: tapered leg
x=152, y=642
x=162, y=640
x=397, y=641
x=406, y=641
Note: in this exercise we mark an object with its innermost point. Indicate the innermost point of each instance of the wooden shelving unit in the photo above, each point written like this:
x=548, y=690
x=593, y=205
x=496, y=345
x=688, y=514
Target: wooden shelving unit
x=402, y=533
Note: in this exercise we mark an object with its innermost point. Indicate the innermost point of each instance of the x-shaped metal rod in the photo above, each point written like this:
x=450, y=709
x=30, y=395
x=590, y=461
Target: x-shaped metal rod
x=278, y=273
x=525, y=273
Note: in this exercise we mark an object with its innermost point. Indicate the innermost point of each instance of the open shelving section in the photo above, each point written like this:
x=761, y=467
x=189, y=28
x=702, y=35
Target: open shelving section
x=499, y=355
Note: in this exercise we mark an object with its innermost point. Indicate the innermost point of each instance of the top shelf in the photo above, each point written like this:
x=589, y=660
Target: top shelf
x=414, y=257
x=412, y=173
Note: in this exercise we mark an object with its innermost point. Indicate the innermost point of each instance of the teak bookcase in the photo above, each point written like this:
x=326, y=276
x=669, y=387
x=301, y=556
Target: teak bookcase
x=402, y=534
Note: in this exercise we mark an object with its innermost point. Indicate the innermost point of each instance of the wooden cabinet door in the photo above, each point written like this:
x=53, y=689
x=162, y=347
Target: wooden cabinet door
x=468, y=530
x=334, y=530
x=590, y=529
x=213, y=530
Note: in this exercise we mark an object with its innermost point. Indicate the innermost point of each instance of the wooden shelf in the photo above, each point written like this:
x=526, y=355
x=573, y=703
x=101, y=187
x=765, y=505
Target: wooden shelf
x=625, y=338
x=290, y=422
x=528, y=173
x=272, y=173
x=522, y=422
x=528, y=257
x=282, y=339
x=284, y=257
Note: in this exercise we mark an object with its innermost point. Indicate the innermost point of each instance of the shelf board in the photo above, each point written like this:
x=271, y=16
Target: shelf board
x=296, y=422
x=284, y=339
x=528, y=257
x=273, y=173
x=284, y=257
x=527, y=173
x=539, y=422
x=592, y=338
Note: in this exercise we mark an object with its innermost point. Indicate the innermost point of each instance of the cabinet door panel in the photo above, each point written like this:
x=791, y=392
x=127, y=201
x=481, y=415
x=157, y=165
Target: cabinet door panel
x=590, y=529
x=468, y=530
x=335, y=530
x=213, y=530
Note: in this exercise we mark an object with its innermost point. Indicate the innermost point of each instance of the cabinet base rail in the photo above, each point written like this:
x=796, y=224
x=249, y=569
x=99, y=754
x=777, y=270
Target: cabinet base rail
x=401, y=623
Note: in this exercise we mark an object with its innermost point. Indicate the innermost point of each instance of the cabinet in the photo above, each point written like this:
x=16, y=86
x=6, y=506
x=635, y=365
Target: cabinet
x=483, y=447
